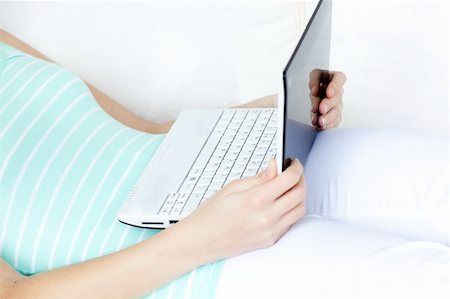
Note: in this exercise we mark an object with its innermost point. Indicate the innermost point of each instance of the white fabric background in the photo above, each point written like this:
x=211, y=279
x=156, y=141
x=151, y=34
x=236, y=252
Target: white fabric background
x=395, y=54
x=158, y=58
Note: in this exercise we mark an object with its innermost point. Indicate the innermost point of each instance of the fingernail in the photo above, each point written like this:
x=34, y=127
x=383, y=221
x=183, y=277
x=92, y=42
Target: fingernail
x=325, y=107
x=324, y=122
x=331, y=91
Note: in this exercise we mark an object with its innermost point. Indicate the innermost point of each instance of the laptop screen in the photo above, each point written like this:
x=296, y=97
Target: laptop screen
x=309, y=60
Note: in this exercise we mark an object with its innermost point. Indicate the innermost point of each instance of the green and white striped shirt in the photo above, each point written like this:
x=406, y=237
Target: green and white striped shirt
x=65, y=168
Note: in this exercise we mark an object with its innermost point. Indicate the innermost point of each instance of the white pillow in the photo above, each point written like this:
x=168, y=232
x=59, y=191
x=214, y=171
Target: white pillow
x=390, y=180
x=157, y=58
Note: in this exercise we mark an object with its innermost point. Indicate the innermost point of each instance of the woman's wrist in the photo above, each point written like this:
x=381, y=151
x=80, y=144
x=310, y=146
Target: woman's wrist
x=190, y=245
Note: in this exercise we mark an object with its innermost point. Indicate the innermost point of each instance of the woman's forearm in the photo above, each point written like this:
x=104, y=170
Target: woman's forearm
x=129, y=273
x=265, y=102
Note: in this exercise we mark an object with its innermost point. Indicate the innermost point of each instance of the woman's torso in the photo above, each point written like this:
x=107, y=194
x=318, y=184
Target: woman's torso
x=65, y=169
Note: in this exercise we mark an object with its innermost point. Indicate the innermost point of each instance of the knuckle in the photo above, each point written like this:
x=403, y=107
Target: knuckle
x=265, y=220
x=299, y=214
x=302, y=212
x=231, y=184
x=300, y=193
x=255, y=203
x=301, y=169
x=269, y=238
x=340, y=74
x=251, y=203
x=292, y=178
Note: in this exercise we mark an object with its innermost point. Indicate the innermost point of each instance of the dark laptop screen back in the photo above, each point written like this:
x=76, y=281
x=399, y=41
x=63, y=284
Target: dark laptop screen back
x=311, y=57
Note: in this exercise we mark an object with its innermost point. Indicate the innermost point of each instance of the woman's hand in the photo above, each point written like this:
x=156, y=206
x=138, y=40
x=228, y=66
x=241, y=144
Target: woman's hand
x=248, y=214
x=326, y=90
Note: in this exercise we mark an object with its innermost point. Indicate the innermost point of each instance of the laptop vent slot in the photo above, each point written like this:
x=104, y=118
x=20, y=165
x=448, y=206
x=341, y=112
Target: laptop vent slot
x=152, y=223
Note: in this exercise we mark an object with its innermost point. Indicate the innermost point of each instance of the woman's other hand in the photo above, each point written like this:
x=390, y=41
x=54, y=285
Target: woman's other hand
x=326, y=91
x=248, y=214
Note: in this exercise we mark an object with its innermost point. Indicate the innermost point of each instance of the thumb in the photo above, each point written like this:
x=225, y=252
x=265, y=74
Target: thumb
x=269, y=173
x=263, y=177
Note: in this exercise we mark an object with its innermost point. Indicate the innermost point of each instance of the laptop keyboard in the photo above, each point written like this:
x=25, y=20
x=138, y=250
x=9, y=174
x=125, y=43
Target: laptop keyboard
x=240, y=145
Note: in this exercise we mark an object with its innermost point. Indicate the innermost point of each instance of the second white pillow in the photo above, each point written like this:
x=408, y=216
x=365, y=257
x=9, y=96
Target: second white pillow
x=390, y=180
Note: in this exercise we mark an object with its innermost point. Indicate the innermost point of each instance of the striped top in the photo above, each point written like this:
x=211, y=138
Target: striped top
x=65, y=169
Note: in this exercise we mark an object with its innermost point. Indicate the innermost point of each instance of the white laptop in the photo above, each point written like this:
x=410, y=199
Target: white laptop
x=206, y=149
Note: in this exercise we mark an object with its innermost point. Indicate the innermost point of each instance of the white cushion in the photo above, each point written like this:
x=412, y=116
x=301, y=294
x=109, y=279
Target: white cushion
x=157, y=58
x=320, y=258
x=393, y=181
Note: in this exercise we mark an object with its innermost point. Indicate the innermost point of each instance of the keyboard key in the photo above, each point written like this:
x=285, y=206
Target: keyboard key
x=227, y=162
x=208, y=173
x=249, y=172
x=238, y=168
x=208, y=194
x=242, y=159
x=192, y=179
x=165, y=211
x=203, y=181
x=176, y=210
x=215, y=186
x=187, y=187
x=200, y=189
x=220, y=177
x=212, y=165
x=182, y=199
x=227, y=182
x=231, y=155
x=224, y=169
x=195, y=171
x=204, y=156
x=235, y=175
x=192, y=203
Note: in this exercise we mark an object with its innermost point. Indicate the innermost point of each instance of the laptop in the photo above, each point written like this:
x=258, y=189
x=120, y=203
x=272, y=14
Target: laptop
x=206, y=149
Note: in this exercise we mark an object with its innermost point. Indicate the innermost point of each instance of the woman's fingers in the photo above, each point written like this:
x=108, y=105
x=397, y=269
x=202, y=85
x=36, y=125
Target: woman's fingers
x=273, y=189
x=263, y=177
x=291, y=217
x=337, y=82
x=291, y=198
x=332, y=118
x=314, y=81
x=329, y=103
x=331, y=100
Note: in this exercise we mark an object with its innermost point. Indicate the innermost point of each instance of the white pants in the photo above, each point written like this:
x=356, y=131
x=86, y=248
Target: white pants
x=320, y=258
